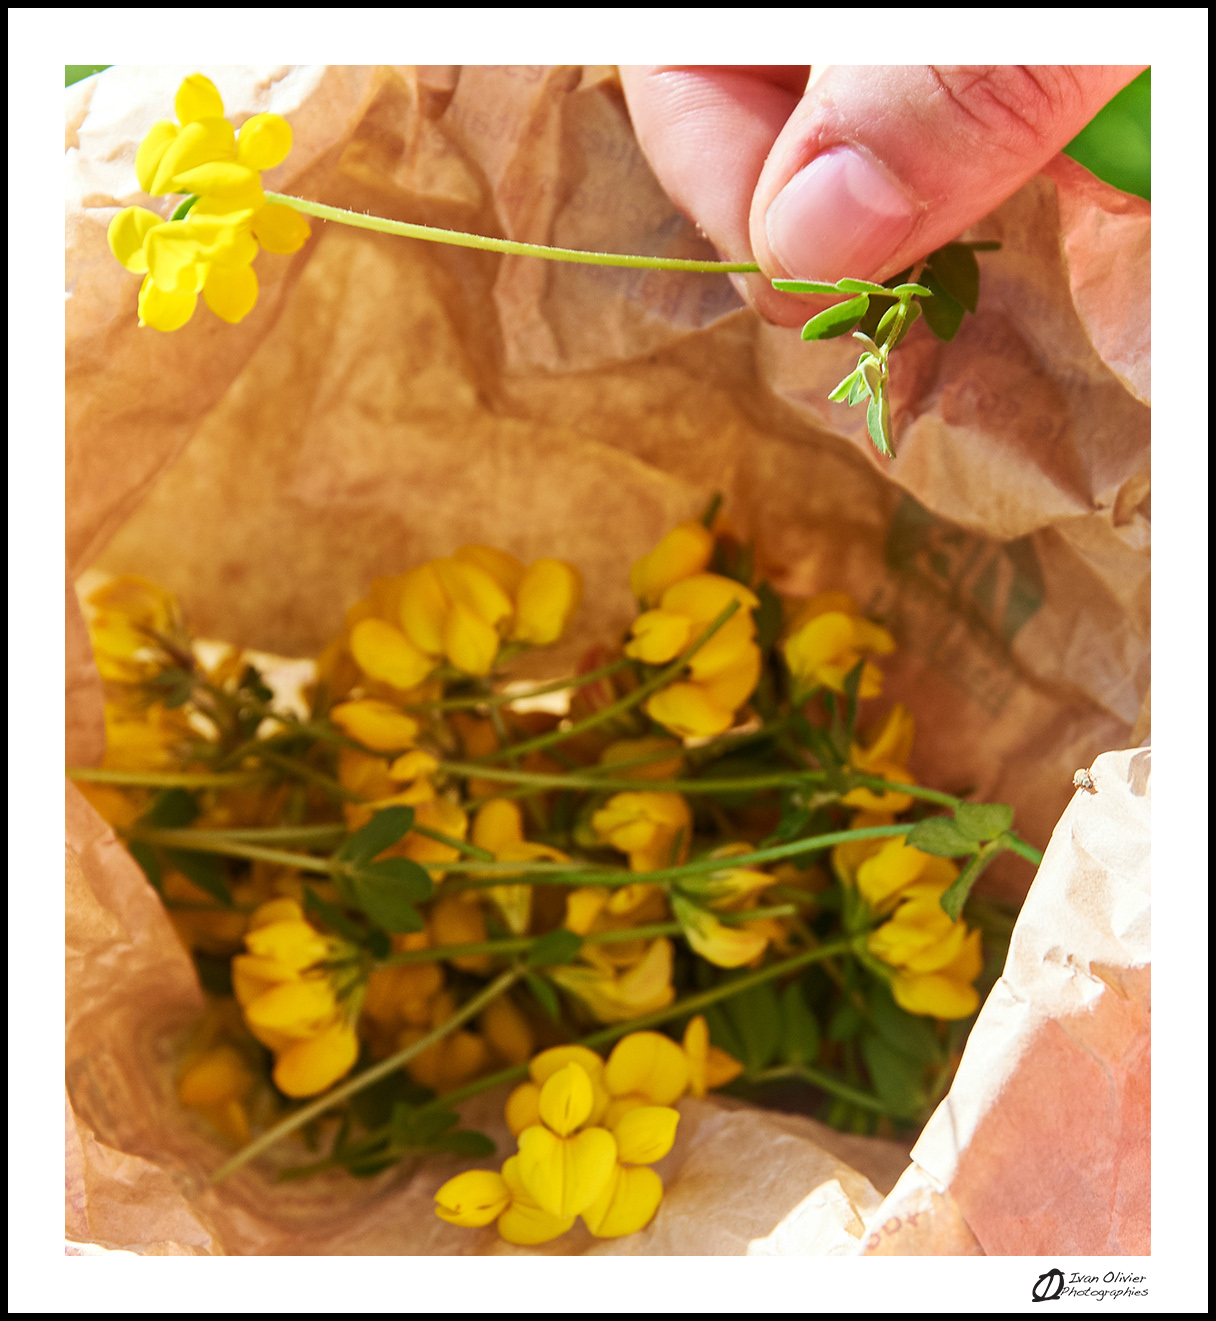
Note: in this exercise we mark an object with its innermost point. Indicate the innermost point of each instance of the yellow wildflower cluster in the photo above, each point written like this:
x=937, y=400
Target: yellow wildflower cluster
x=827, y=637
x=587, y=1132
x=289, y=1005
x=210, y=248
x=936, y=959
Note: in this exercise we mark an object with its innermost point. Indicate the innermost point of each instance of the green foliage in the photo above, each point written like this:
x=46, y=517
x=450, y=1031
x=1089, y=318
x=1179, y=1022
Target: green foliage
x=204, y=870
x=384, y=830
x=940, y=836
x=799, y=1027
x=558, y=946
x=981, y=822
x=1116, y=144
x=387, y=892
x=74, y=73
x=544, y=994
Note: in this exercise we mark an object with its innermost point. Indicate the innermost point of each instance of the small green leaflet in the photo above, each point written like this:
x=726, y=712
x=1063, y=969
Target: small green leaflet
x=331, y=915
x=838, y=320
x=898, y=1079
x=380, y=833
x=755, y=1015
x=983, y=821
x=768, y=616
x=804, y=287
x=907, y=1033
x=145, y=855
x=559, y=946
x=545, y=995
x=956, y=270
x=956, y=896
x=940, y=836
x=943, y=313
x=848, y=286
x=799, y=1028
x=172, y=809
x=204, y=870
x=387, y=892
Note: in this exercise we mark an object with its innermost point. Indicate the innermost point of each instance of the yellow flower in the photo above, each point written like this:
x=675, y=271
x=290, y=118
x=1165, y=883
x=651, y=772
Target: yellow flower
x=457, y=919
x=375, y=724
x=654, y=829
x=473, y=1199
x=708, y=1066
x=727, y=947
x=684, y=551
x=888, y=757
x=499, y=828
x=886, y=870
x=126, y=618
x=548, y=594
x=508, y=1031
x=311, y=1066
x=153, y=739
x=826, y=640
x=937, y=960
x=451, y=1060
x=647, y=1065
x=615, y=997
x=628, y=750
x=210, y=249
x=628, y=1202
x=563, y=1169
x=216, y=1083
x=525, y=1222
x=721, y=675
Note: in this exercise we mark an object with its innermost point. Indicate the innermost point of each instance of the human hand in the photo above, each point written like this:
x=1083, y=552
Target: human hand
x=862, y=170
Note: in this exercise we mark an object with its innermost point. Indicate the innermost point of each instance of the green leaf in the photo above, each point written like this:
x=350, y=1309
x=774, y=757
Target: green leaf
x=253, y=684
x=768, y=615
x=943, y=312
x=380, y=833
x=466, y=1142
x=172, y=809
x=983, y=821
x=846, y=1022
x=419, y=1126
x=956, y=896
x=907, y=1033
x=387, y=892
x=755, y=1015
x=204, y=870
x=904, y=289
x=804, y=287
x=846, y=387
x=875, y=418
x=908, y=322
x=545, y=995
x=898, y=1080
x=850, y=286
x=145, y=855
x=331, y=915
x=559, y=946
x=799, y=1028
x=858, y=392
x=940, y=836
x=838, y=320
x=722, y=1031
x=795, y=817
x=957, y=271
x=379, y=943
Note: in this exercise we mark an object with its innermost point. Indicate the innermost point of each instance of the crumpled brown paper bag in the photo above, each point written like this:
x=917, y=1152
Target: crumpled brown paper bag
x=389, y=399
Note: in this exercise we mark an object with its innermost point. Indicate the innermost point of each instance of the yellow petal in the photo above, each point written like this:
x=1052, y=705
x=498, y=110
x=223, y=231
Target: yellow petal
x=498, y=822
x=696, y=1051
x=504, y=568
x=375, y=724
x=727, y=650
x=689, y=711
x=645, y=1134
x=275, y=910
x=548, y=1062
x=704, y=596
x=222, y=179
x=634, y=749
x=721, y=1068
x=312, y=1066
x=412, y=765
x=263, y=142
x=659, y=636
x=628, y=1203
x=126, y=235
x=524, y=1222
x=727, y=947
x=468, y=585
x=649, y=1064
x=280, y=228
x=506, y=1028
x=424, y=607
x=935, y=995
x=818, y=642
x=217, y=1076
x=252, y=975
x=473, y=1199
x=198, y=143
x=164, y=311
x=565, y=1175
x=198, y=98
x=151, y=149
x=523, y=1108
x=177, y=258
x=231, y=1119
x=583, y=907
x=969, y=963
x=469, y=642
x=292, y=943
x=457, y=922
x=231, y=294
x=684, y=551
x=890, y=870
x=548, y=595
x=297, y=1008
x=566, y=1100
x=385, y=653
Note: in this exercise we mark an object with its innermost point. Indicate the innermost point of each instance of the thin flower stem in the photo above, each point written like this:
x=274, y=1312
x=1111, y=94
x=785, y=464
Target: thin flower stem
x=826, y=1081
x=509, y=246
x=170, y=779
x=626, y=703
x=461, y=845
x=200, y=841
x=680, y=1009
x=505, y=699
x=300, y=1117
x=586, y=780
x=317, y=835
x=292, y=766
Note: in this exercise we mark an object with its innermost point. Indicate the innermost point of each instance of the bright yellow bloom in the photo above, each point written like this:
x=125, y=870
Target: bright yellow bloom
x=886, y=756
x=375, y=724
x=525, y=1221
x=684, y=551
x=635, y=749
x=628, y=1202
x=211, y=249
x=383, y=652
x=937, y=960
x=523, y=1108
x=293, y=943
x=648, y=1065
x=216, y=1083
x=616, y=997
x=565, y=1174
x=291, y=1011
x=473, y=1199
x=499, y=828
x=826, y=640
x=886, y=870
x=727, y=947
x=645, y=1134
x=722, y=674
x=549, y=593
x=708, y=1066
x=654, y=829
x=311, y=1066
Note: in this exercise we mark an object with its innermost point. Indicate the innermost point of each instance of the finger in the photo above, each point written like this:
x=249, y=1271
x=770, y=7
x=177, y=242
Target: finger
x=878, y=166
x=706, y=133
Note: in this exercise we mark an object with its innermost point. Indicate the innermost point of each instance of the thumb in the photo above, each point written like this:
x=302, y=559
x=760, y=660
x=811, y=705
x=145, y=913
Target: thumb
x=878, y=166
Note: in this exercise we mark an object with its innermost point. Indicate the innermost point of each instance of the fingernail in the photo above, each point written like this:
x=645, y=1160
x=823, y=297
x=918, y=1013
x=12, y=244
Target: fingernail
x=838, y=216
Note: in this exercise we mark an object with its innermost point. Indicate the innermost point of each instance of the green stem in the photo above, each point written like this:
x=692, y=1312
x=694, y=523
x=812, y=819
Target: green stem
x=680, y=1009
x=169, y=779
x=587, y=780
x=317, y=835
x=510, y=246
x=292, y=766
x=626, y=703
x=505, y=699
x=462, y=846
x=468, y=1010
x=199, y=841
x=826, y=1081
